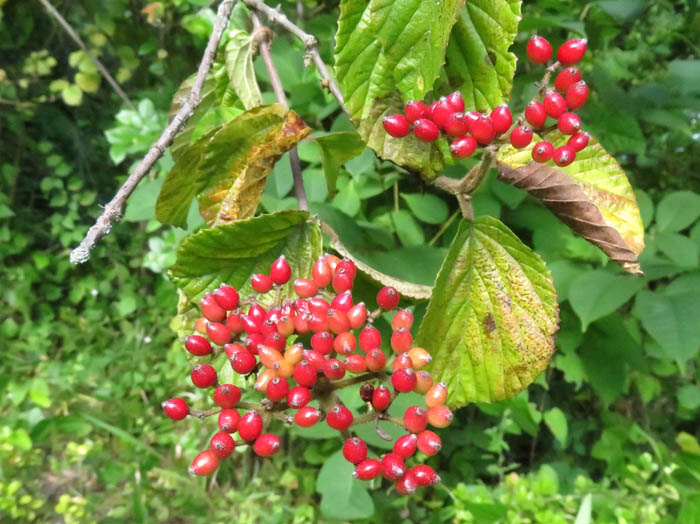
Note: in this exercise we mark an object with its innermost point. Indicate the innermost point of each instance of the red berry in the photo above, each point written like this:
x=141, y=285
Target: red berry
x=357, y=315
x=250, y=426
x=228, y=420
x=542, y=151
x=280, y=272
x=205, y=463
x=404, y=380
x=334, y=369
x=564, y=155
x=275, y=341
x=402, y=361
x=347, y=265
x=197, y=345
x=356, y=364
x=366, y=392
x=342, y=301
x=305, y=287
x=322, y=273
x=569, y=123
x=406, y=446
x=376, y=360
x=521, y=137
x=401, y=340
x=298, y=397
x=572, y=52
x=307, y=417
x=554, y=104
x=233, y=321
x=502, y=119
x=463, y=147
x=203, y=376
x=441, y=112
x=253, y=341
x=388, y=298
x=344, y=343
x=456, y=101
x=577, y=95
x=243, y=362
x=175, y=408
x=342, y=281
x=535, y=114
x=218, y=333
x=406, y=484
x=355, y=450
x=397, y=125
x=267, y=444
x=424, y=475
x=539, y=50
x=339, y=417
x=439, y=416
x=322, y=342
x=415, y=419
x=316, y=359
x=257, y=313
x=566, y=78
x=370, y=338
x=392, y=466
x=579, y=141
x=211, y=308
x=277, y=389
x=305, y=374
x=338, y=321
x=429, y=443
x=260, y=283
x=457, y=124
x=227, y=396
x=483, y=130
x=415, y=110
x=381, y=398
x=232, y=349
x=402, y=319
x=367, y=469
x=227, y=297
x=426, y=130
x=318, y=306
x=222, y=444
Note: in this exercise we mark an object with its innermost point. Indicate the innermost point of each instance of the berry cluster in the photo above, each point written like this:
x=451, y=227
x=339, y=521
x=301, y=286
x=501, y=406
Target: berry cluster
x=471, y=129
x=342, y=339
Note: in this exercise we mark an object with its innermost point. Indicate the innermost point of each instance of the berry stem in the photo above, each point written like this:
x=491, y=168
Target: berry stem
x=340, y=384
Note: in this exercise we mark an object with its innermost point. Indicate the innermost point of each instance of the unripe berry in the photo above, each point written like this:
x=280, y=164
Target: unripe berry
x=407, y=484
x=401, y=340
x=307, y=417
x=441, y=112
x=381, y=398
x=397, y=125
x=355, y=450
x=250, y=426
x=342, y=301
x=227, y=396
x=305, y=287
x=339, y=417
x=357, y=315
x=205, y=463
x=334, y=369
x=392, y=466
x=426, y=130
x=222, y=444
x=483, y=130
x=175, y=408
x=268, y=356
x=233, y=322
x=579, y=141
x=554, y=104
x=463, y=147
x=521, y=137
x=456, y=101
x=564, y=155
x=322, y=273
x=402, y=319
x=415, y=419
x=280, y=272
x=298, y=397
x=424, y=475
x=337, y=321
x=406, y=446
x=403, y=380
x=566, y=78
x=370, y=338
x=261, y=283
x=376, y=360
x=267, y=444
x=277, y=389
x=542, y=151
x=264, y=379
x=218, y=333
x=538, y=50
x=577, y=95
x=211, y=308
x=305, y=374
x=439, y=416
x=367, y=469
x=203, y=376
x=201, y=325
x=535, y=114
x=228, y=420
x=415, y=110
x=342, y=281
x=457, y=125
x=243, y=362
x=356, y=364
x=572, y=52
x=402, y=361
x=437, y=395
x=197, y=345
x=316, y=359
x=285, y=325
x=569, y=123
x=424, y=381
x=429, y=443
x=322, y=342
x=419, y=357
x=502, y=119
x=283, y=368
x=227, y=297
x=344, y=343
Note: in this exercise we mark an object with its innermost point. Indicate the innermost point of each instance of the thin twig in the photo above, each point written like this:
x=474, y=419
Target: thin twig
x=103, y=71
x=309, y=41
x=112, y=211
x=264, y=47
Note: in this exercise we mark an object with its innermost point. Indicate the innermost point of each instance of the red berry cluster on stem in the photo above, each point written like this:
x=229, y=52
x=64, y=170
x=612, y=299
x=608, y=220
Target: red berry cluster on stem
x=299, y=380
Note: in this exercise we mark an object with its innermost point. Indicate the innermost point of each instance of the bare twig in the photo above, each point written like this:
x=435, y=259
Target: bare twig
x=71, y=32
x=464, y=187
x=309, y=41
x=264, y=47
x=112, y=211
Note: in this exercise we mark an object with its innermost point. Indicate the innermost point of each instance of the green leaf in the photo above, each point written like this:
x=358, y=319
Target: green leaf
x=240, y=50
x=39, y=393
x=427, y=207
x=491, y=321
x=409, y=231
x=336, y=149
x=141, y=203
x=343, y=497
x=388, y=52
x=689, y=396
x=72, y=95
x=556, y=422
x=227, y=168
x=598, y=293
x=231, y=253
x=88, y=82
x=585, y=510
x=681, y=249
x=677, y=211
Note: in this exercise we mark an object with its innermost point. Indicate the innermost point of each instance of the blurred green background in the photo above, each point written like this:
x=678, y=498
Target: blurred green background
x=87, y=355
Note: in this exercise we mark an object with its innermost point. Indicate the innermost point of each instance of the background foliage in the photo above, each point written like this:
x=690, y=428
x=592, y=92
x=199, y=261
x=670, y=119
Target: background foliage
x=610, y=429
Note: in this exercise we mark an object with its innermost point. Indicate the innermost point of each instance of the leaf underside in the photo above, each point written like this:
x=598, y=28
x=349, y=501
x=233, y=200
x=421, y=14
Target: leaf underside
x=491, y=322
